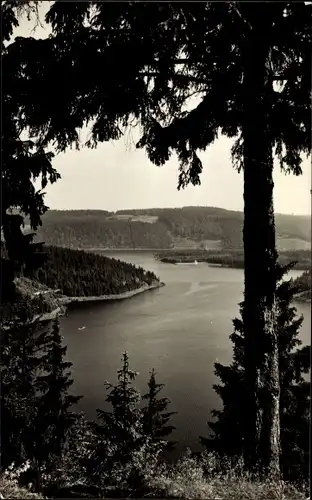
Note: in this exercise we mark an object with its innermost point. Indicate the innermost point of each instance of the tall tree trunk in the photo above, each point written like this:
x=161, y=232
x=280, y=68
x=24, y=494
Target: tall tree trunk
x=262, y=424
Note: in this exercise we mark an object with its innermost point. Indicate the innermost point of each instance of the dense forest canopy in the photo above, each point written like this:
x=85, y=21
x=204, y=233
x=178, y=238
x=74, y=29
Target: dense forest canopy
x=171, y=227
x=100, y=232
x=72, y=273
x=287, y=226
x=304, y=284
x=78, y=273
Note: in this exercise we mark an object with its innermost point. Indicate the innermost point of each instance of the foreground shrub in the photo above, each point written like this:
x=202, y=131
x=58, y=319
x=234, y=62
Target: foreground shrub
x=205, y=477
x=9, y=484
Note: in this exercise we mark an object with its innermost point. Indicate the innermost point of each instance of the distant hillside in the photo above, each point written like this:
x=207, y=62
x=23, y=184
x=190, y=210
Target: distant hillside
x=87, y=230
x=163, y=228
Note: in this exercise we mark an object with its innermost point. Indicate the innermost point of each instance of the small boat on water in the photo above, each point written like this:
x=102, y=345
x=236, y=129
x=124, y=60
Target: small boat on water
x=195, y=262
x=81, y=328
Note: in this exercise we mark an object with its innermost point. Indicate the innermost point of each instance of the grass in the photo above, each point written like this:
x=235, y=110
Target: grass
x=10, y=489
x=203, y=477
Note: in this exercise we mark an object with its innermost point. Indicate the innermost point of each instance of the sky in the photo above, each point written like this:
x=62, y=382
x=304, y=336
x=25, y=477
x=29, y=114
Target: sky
x=117, y=176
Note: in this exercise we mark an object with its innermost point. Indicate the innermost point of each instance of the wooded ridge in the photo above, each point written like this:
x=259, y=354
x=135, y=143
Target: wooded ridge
x=163, y=228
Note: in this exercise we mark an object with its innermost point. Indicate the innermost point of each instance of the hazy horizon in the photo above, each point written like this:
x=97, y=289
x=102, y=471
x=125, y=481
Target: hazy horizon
x=116, y=176
x=159, y=208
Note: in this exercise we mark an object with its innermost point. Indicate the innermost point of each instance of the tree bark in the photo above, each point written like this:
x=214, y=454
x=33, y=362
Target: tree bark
x=261, y=422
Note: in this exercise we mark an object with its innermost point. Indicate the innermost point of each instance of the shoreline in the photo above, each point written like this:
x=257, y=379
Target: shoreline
x=302, y=298
x=116, y=250
x=187, y=260
x=65, y=300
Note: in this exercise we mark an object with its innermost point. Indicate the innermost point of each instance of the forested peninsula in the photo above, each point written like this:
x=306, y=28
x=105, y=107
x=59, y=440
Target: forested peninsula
x=77, y=273
x=69, y=276
x=231, y=257
x=303, y=285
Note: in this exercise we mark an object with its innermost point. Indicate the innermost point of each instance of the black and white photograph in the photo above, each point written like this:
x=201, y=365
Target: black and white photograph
x=156, y=249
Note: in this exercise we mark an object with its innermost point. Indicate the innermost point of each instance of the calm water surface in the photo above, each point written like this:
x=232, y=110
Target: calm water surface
x=180, y=330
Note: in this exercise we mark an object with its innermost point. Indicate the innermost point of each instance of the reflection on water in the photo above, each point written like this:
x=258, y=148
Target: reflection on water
x=180, y=330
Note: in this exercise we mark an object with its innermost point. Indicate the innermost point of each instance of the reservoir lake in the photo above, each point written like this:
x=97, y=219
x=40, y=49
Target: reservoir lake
x=181, y=330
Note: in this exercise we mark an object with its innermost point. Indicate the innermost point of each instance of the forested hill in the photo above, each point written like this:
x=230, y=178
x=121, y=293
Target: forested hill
x=87, y=230
x=78, y=273
x=163, y=228
x=73, y=273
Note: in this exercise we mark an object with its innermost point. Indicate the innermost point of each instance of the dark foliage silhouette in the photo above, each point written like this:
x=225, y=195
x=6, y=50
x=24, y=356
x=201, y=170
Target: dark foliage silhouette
x=36, y=407
x=229, y=55
x=155, y=417
x=294, y=364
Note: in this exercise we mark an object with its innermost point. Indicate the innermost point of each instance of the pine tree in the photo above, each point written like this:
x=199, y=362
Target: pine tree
x=120, y=431
x=294, y=362
x=124, y=453
x=21, y=348
x=35, y=405
x=54, y=416
x=153, y=417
